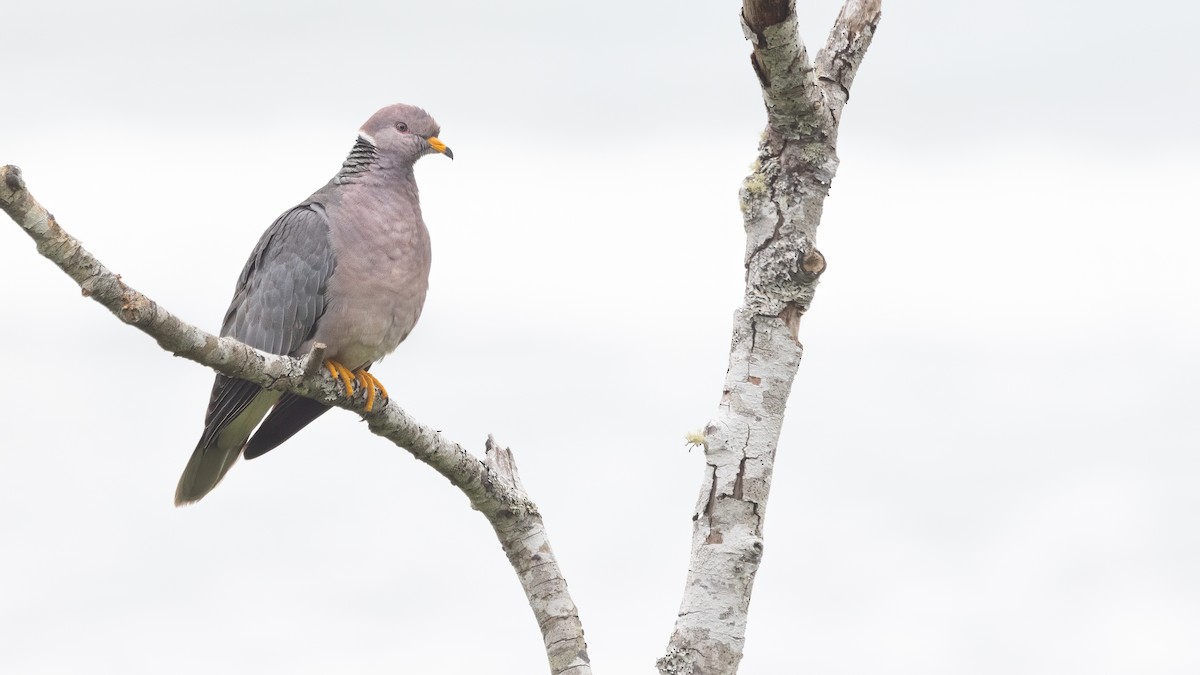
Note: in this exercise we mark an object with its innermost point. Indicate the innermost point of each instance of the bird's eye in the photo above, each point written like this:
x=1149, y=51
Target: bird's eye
x=402, y=127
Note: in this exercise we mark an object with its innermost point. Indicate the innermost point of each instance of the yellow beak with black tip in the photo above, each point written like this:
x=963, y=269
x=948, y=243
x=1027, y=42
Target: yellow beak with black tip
x=437, y=144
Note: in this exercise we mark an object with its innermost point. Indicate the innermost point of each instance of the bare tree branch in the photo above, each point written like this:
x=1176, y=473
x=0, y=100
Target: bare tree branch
x=492, y=486
x=782, y=201
x=838, y=61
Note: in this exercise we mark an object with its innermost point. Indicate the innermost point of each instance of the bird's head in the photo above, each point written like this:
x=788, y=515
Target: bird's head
x=403, y=132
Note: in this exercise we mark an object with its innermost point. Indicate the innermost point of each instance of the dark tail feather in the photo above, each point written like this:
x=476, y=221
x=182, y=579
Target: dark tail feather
x=291, y=414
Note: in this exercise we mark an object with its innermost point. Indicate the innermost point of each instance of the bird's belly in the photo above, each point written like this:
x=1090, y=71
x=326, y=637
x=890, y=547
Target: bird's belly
x=372, y=338
x=363, y=324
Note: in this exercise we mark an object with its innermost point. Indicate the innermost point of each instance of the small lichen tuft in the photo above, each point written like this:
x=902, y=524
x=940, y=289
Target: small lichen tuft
x=755, y=184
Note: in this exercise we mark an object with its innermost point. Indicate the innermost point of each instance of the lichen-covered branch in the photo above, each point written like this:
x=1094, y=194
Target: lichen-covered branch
x=782, y=201
x=492, y=485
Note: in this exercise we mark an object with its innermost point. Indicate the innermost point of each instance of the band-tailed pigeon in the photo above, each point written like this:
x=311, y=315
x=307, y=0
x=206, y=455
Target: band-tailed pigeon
x=348, y=267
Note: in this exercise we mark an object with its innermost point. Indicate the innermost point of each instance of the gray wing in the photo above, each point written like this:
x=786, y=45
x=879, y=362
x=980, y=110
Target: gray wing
x=279, y=298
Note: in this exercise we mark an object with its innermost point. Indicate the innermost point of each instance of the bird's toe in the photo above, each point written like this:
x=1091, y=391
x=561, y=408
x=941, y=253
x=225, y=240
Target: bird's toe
x=340, y=372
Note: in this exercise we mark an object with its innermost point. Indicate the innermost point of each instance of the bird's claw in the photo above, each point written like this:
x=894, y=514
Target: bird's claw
x=365, y=380
x=371, y=383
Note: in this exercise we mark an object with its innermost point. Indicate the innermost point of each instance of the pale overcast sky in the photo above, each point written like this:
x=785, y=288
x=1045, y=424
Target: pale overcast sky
x=990, y=461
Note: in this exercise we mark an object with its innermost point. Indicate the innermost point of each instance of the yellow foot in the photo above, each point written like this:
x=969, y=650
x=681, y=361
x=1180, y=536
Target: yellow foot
x=338, y=371
x=365, y=380
x=370, y=382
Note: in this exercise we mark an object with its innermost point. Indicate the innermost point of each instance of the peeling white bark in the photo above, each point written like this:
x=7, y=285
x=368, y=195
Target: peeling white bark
x=782, y=200
x=492, y=486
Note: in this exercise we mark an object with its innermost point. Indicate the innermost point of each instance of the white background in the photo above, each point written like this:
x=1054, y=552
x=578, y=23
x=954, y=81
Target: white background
x=990, y=461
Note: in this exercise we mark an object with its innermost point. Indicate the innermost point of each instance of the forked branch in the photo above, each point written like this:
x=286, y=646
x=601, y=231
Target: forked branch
x=782, y=201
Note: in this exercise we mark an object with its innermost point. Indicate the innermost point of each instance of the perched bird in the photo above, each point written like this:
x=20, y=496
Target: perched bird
x=347, y=267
